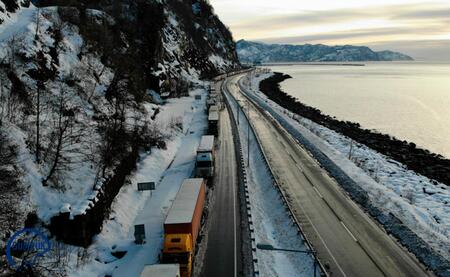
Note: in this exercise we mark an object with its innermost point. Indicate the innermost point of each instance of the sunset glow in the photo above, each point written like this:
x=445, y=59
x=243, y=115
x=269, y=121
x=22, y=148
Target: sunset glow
x=402, y=25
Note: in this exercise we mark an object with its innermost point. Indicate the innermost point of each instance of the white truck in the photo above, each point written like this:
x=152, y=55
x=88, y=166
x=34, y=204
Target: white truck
x=213, y=120
x=205, y=158
x=161, y=270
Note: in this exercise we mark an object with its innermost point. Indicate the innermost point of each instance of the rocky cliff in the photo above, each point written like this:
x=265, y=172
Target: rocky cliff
x=80, y=87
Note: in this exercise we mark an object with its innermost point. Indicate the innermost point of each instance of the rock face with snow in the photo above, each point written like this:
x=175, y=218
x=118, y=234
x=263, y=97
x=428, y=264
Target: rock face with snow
x=80, y=87
x=251, y=52
x=9, y=7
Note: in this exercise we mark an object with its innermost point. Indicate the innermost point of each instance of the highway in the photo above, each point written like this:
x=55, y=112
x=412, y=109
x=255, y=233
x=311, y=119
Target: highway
x=348, y=242
x=223, y=250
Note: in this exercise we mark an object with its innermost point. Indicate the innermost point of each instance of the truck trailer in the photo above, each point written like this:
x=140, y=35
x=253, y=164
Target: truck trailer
x=182, y=225
x=205, y=158
x=213, y=108
x=213, y=121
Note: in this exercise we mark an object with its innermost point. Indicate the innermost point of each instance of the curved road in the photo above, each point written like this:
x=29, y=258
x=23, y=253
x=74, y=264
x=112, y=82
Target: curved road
x=223, y=249
x=347, y=241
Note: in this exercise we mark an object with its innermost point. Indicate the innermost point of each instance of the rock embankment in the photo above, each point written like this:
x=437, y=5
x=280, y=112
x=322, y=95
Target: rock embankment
x=422, y=161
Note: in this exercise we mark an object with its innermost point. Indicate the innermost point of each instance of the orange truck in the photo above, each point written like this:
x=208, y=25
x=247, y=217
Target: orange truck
x=182, y=225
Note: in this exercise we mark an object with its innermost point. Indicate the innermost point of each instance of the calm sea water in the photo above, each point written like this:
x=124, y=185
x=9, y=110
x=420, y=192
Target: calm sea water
x=410, y=101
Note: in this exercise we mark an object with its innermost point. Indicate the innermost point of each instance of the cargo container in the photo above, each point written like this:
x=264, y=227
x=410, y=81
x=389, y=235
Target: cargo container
x=213, y=108
x=161, y=270
x=205, y=158
x=213, y=122
x=182, y=225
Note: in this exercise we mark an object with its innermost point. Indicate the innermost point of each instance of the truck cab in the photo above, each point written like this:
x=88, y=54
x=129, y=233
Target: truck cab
x=183, y=223
x=178, y=249
x=205, y=165
x=213, y=121
x=204, y=162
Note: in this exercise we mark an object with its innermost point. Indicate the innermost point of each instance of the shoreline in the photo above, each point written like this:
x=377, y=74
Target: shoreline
x=422, y=161
x=314, y=63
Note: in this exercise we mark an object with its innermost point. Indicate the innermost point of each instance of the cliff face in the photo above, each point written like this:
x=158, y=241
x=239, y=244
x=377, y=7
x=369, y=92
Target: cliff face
x=79, y=92
x=9, y=7
x=163, y=39
x=259, y=52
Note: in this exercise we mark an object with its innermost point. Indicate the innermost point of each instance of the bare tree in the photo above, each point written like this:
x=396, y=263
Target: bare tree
x=62, y=139
x=350, y=152
x=11, y=50
x=2, y=104
x=40, y=86
x=38, y=17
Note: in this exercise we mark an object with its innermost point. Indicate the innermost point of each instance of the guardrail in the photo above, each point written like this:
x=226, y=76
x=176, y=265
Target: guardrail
x=233, y=73
x=391, y=224
x=284, y=196
x=243, y=183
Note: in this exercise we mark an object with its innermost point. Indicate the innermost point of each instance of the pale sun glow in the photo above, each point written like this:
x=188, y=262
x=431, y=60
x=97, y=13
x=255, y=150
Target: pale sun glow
x=401, y=25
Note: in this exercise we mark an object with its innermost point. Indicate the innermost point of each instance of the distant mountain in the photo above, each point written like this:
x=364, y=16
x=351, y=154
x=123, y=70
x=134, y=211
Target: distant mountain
x=249, y=51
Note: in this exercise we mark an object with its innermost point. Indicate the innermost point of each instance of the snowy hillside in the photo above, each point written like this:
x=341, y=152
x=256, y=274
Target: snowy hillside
x=250, y=52
x=82, y=86
x=9, y=8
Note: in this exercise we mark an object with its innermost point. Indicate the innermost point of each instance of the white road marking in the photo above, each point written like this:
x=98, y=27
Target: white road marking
x=323, y=242
x=235, y=231
x=315, y=229
x=348, y=231
x=320, y=195
x=293, y=159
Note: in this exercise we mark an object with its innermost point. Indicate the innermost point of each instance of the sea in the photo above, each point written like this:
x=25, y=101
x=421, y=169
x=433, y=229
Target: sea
x=407, y=100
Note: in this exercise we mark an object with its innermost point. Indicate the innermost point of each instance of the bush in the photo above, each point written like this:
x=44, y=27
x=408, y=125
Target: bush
x=8, y=170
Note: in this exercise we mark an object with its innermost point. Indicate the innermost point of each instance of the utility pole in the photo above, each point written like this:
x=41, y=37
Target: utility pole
x=248, y=133
x=38, y=119
x=238, y=113
x=38, y=17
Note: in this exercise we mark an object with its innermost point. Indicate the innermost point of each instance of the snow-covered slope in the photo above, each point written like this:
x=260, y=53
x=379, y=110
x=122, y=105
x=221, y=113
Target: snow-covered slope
x=81, y=88
x=250, y=52
x=9, y=8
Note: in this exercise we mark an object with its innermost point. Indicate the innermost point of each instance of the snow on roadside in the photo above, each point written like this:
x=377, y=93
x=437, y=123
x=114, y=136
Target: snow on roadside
x=131, y=205
x=420, y=203
x=272, y=223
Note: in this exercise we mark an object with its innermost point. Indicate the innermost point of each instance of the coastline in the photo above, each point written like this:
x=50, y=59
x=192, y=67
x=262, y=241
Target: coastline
x=313, y=63
x=422, y=161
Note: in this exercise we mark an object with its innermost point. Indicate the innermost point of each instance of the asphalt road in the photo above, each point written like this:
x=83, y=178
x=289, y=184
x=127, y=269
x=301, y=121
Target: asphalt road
x=347, y=240
x=222, y=257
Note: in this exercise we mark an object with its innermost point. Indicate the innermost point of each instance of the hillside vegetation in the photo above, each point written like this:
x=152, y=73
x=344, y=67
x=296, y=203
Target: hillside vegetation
x=80, y=87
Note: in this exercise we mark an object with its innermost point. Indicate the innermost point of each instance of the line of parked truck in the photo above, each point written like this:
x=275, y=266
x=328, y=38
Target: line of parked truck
x=183, y=222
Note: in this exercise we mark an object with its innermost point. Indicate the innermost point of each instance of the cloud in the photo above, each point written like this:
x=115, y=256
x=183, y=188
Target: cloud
x=421, y=29
x=411, y=14
x=357, y=33
x=430, y=14
x=303, y=18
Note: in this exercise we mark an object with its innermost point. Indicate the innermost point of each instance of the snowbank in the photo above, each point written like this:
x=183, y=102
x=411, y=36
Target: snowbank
x=168, y=168
x=271, y=221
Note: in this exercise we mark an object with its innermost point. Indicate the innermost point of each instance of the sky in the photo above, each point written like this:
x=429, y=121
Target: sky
x=420, y=28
